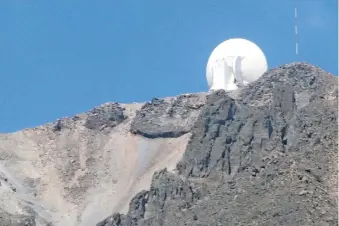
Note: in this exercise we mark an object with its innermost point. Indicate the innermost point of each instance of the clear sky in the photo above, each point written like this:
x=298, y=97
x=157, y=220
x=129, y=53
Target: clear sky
x=62, y=57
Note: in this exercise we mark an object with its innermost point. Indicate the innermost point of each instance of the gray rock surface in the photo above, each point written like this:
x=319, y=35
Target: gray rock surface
x=171, y=117
x=7, y=219
x=109, y=115
x=263, y=155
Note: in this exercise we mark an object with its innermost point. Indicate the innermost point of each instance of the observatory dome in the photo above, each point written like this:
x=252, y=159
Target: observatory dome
x=235, y=63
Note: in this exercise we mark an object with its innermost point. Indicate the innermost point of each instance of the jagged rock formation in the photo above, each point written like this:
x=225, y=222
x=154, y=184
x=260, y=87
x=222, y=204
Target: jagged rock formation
x=264, y=155
x=168, y=118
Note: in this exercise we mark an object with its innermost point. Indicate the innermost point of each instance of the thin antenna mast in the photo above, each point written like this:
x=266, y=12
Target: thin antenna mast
x=296, y=31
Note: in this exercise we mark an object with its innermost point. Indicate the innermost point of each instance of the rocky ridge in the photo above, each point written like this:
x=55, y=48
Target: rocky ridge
x=77, y=170
x=264, y=155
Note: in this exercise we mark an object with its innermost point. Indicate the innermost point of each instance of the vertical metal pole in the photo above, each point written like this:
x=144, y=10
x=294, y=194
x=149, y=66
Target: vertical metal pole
x=296, y=31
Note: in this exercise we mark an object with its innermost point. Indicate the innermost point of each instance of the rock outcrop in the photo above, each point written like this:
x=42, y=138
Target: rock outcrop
x=168, y=118
x=264, y=155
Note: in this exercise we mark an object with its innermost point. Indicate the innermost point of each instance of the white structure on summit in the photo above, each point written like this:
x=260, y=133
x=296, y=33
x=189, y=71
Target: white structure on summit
x=235, y=63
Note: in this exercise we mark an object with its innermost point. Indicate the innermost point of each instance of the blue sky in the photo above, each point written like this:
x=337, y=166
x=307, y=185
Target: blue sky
x=59, y=58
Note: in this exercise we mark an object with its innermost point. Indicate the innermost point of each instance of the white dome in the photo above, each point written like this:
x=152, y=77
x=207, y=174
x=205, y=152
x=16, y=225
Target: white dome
x=233, y=63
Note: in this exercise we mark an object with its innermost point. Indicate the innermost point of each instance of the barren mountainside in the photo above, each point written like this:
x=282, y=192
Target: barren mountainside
x=265, y=154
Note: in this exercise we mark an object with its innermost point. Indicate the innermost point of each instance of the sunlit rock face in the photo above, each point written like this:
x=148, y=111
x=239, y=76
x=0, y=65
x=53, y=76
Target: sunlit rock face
x=78, y=170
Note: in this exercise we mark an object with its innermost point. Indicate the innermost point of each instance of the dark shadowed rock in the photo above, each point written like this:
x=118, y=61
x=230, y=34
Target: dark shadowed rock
x=168, y=117
x=64, y=123
x=57, y=126
x=115, y=219
x=108, y=115
x=268, y=156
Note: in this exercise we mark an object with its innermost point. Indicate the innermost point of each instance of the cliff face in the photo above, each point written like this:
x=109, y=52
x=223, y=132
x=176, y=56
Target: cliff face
x=265, y=154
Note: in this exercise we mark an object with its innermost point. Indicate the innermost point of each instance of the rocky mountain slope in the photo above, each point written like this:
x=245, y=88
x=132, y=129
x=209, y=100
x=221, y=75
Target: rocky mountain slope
x=265, y=154
x=78, y=170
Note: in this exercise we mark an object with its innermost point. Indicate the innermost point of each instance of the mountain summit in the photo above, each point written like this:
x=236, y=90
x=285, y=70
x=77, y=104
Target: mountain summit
x=265, y=154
